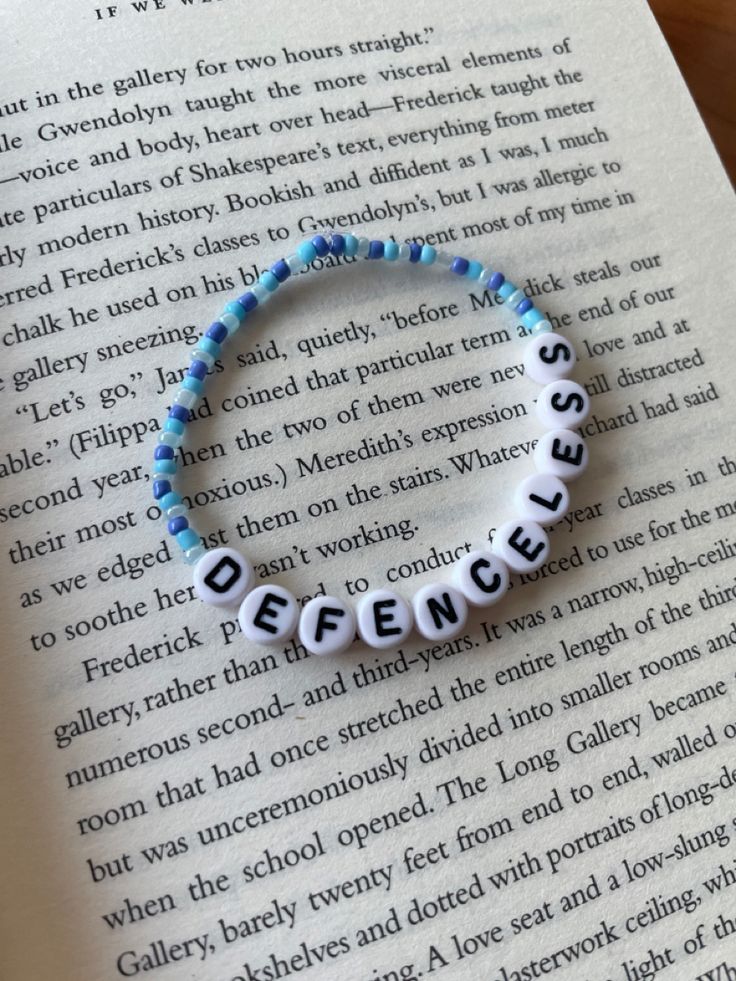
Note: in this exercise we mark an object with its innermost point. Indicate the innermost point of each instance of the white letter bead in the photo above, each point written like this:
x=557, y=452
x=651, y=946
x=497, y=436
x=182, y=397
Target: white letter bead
x=543, y=498
x=384, y=619
x=548, y=357
x=440, y=611
x=562, y=404
x=562, y=453
x=268, y=615
x=222, y=577
x=523, y=545
x=481, y=577
x=326, y=626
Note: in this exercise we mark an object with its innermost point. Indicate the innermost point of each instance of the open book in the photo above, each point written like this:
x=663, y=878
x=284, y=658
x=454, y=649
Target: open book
x=552, y=792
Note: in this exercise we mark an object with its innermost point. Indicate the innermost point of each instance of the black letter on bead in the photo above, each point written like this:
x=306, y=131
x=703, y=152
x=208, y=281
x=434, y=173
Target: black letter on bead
x=323, y=624
x=487, y=587
x=380, y=618
x=571, y=399
x=551, y=505
x=264, y=610
x=558, y=350
x=438, y=611
x=523, y=547
x=225, y=563
x=566, y=455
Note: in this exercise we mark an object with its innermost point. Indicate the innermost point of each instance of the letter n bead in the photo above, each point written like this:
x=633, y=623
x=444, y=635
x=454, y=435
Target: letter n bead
x=222, y=577
x=440, y=612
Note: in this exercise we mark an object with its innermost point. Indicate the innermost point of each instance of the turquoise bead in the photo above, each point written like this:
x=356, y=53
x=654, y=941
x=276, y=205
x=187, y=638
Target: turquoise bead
x=391, y=251
x=474, y=269
x=268, y=280
x=169, y=500
x=236, y=310
x=306, y=252
x=351, y=246
x=210, y=346
x=427, y=255
x=506, y=289
x=188, y=539
x=532, y=317
x=164, y=466
x=174, y=426
x=192, y=384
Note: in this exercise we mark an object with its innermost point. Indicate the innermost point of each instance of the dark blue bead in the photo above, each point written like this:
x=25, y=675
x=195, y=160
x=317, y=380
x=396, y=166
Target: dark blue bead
x=497, y=280
x=375, y=250
x=337, y=245
x=175, y=525
x=415, y=250
x=163, y=453
x=198, y=369
x=281, y=270
x=248, y=301
x=160, y=487
x=217, y=332
x=179, y=412
x=526, y=304
x=320, y=244
x=459, y=265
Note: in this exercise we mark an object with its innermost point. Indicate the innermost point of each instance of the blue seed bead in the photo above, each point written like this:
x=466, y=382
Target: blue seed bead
x=268, y=280
x=188, y=539
x=532, y=317
x=179, y=413
x=496, y=281
x=192, y=384
x=526, y=304
x=320, y=245
x=459, y=265
x=160, y=487
x=198, y=369
x=415, y=250
x=281, y=270
x=474, y=269
x=209, y=346
x=337, y=244
x=351, y=246
x=375, y=250
x=391, y=251
x=427, y=255
x=506, y=289
x=236, y=309
x=163, y=453
x=217, y=332
x=175, y=525
x=248, y=301
x=168, y=501
x=164, y=467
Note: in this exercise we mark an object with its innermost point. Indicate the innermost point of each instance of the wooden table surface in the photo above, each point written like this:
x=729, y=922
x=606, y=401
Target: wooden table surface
x=702, y=36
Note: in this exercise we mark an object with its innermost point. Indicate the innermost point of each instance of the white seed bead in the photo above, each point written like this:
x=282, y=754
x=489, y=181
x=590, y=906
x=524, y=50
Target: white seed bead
x=194, y=554
x=481, y=577
x=174, y=440
x=384, y=619
x=440, y=611
x=222, y=577
x=561, y=452
x=175, y=511
x=295, y=263
x=326, y=626
x=543, y=498
x=404, y=250
x=364, y=245
x=444, y=259
x=198, y=355
x=261, y=293
x=541, y=327
x=230, y=321
x=186, y=398
x=515, y=298
x=268, y=615
x=548, y=358
x=486, y=274
x=523, y=545
x=563, y=404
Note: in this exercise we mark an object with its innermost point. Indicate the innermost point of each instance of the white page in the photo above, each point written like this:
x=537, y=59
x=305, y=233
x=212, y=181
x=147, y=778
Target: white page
x=617, y=625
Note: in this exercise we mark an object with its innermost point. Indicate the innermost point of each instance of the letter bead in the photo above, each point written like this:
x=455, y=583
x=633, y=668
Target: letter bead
x=523, y=545
x=384, y=619
x=481, y=577
x=440, y=611
x=562, y=404
x=562, y=453
x=548, y=357
x=268, y=615
x=222, y=577
x=326, y=626
x=543, y=498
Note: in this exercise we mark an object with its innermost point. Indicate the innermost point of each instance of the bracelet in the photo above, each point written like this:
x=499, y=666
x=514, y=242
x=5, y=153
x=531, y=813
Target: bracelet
x=269, y=614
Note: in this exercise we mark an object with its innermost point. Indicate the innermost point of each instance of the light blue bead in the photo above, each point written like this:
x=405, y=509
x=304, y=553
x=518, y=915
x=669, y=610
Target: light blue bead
x=199, y=355
x=164, y=466
x=175, y=426
x=261, y=293
x=541, y=327
x=351, y=246
x=193, y=555
x=193, y=385
x=515, y=298
x=474, y=269
x=185, y=397
x=235, y=309
x=295, y=262
x=188, y=539
x=174, y=440
x=506, y=289
x=427, y=255
x=210, y=346
x=532, y=317
x=391, y=251
x=232, y=322
x=306, y=252
x=170, y=500
x=268, y=280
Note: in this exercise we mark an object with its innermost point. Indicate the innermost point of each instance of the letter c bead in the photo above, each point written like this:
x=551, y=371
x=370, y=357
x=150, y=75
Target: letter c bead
x=222, y=577
x=481, y=577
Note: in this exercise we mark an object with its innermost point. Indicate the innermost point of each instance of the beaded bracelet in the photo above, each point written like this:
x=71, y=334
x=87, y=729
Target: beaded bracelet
x=269, y=614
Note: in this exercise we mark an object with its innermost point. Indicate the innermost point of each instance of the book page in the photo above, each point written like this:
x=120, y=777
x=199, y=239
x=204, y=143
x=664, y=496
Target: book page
x=549, y=793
